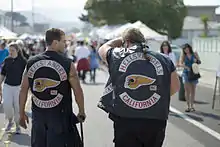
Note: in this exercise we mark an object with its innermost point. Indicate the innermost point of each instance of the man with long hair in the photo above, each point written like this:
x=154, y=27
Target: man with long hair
x=137, y=95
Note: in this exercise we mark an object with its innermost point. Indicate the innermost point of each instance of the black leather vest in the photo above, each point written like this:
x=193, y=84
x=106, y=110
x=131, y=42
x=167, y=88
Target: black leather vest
x=48, y=80
x=137, y=87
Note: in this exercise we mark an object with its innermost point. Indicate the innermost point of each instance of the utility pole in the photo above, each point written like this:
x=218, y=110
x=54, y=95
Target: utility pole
x=33, y=21
x=12, y=16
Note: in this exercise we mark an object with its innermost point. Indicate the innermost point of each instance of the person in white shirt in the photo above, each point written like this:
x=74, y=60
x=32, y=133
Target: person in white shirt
x=82, y=54
x=167, y=50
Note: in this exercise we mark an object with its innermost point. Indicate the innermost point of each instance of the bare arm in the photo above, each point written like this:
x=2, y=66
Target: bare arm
x=175, y=83
x=23, y=93
x=181, y=62
x=183, y=65
x=107, y=46
x=2, y=78
x=75, y=84
x=197, y=60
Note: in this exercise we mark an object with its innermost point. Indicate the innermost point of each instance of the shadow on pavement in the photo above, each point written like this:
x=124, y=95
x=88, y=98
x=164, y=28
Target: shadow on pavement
x=1, y=108
x=174, y=115
x=197, y=118
x=201, y=102
x=22, y=139
x=210, y=115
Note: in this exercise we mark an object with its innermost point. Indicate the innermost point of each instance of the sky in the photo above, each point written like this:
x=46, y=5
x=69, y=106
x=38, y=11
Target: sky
x=71, y=8
x=27, y=4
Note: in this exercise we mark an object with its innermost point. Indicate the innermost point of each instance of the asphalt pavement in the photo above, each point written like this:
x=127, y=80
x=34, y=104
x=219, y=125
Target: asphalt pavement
x=98, y=129
x=204, y=113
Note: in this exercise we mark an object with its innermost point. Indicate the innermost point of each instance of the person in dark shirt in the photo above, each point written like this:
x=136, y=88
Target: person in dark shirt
x=141, y=83
x=51, y=77
x=11, y=74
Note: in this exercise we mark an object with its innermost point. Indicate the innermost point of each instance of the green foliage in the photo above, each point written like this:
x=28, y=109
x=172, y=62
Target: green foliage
x=203, y=35
x=161, y=15
x=205, y=19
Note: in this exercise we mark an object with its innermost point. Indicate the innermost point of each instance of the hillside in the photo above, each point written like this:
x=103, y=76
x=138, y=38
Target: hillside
x=40, y=18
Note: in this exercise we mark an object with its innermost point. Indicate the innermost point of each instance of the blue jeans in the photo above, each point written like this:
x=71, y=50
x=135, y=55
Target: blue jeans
x=186, y=80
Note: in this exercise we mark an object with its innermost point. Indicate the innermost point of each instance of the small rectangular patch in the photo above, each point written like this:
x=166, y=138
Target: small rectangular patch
x=153, y=88
x=53, y=92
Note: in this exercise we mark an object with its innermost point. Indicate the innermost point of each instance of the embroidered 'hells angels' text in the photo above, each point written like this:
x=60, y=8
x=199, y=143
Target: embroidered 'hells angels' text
x=48, y=63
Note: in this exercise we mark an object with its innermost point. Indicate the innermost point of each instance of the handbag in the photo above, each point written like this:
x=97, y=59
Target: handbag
x=192, y=76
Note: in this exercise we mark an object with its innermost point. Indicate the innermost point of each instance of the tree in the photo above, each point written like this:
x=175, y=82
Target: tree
x=165, y=15
x=173, y=13
x=16, y=16
x=205, y=19
x=84, y=18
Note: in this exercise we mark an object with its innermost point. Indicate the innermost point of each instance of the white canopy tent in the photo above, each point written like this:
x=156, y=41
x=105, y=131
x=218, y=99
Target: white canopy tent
x=7, y=34
x=105, y=30
x=148, y=32
x=93, y=33
x=37, y=37
x=117, y=32
x=80, y=36
x=25, y=36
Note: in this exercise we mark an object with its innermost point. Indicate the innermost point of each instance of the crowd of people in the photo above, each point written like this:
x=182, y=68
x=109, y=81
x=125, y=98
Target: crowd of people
x=189, y=61
x=13, y=58
x=135, y=72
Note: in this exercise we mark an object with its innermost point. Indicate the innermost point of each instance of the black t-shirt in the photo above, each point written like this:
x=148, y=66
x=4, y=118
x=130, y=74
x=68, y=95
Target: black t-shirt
x=13, y=69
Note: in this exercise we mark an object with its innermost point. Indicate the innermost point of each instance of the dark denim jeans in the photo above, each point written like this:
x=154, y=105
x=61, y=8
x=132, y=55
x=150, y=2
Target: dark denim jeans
x=54, y=130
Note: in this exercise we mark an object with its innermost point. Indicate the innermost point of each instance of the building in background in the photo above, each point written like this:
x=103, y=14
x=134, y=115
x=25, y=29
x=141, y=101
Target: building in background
x=41, y=27
x=4, y=20
x=21, y=29
x=198, y=11
x=193, y=26
x=218, y=17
